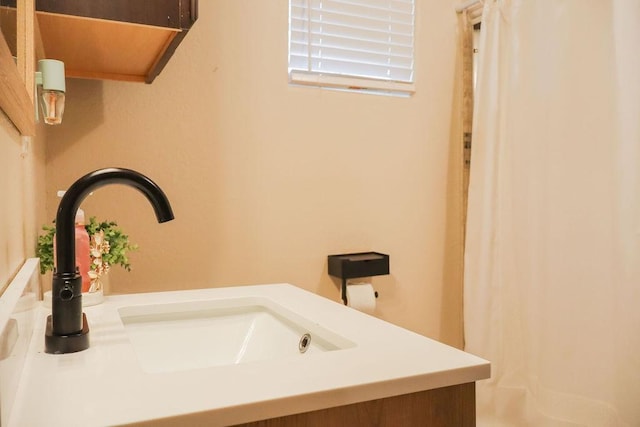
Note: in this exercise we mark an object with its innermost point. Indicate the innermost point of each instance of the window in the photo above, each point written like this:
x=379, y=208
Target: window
x=352, y=44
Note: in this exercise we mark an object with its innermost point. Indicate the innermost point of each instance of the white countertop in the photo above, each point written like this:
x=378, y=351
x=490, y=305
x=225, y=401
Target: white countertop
x=105, y=385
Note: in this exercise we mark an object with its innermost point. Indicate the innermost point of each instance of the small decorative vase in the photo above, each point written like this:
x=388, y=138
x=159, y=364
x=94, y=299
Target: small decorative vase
x=96, y=292
x=92, y=298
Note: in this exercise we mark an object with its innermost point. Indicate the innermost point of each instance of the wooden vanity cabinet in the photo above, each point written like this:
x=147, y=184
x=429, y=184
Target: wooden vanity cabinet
x=113, y=39
x=452, y=406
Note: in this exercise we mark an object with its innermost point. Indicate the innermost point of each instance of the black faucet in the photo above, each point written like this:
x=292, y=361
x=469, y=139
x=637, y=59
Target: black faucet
x=67, y=330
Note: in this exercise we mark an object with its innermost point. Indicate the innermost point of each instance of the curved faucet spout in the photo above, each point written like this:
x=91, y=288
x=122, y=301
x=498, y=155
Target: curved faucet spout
x=73, y=197
x=67, y=329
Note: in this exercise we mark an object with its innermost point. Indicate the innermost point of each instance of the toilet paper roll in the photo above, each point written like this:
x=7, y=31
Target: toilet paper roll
x=361, y=296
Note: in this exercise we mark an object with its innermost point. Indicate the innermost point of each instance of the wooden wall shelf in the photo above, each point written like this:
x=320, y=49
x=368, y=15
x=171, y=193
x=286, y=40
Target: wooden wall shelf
x=114, y=39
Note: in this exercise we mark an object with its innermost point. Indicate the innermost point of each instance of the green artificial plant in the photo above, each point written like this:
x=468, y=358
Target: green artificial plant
x=109, y=246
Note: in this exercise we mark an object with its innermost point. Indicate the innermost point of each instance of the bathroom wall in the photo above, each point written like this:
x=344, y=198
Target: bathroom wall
x=267, y=179
x=22, y=167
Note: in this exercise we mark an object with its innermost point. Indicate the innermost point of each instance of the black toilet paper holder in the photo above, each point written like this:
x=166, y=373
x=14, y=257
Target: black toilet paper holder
x=355, y=265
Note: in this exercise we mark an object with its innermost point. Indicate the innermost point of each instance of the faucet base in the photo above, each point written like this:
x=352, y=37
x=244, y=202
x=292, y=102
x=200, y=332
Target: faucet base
x=60, y=344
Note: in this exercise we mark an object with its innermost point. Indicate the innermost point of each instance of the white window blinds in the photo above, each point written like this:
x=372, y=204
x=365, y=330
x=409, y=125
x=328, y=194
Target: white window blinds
x=357, y=44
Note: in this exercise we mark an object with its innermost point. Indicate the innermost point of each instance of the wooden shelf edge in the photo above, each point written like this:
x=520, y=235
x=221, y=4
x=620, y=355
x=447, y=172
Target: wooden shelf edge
x=97, y=75
x=165, y=55
x=14, y=98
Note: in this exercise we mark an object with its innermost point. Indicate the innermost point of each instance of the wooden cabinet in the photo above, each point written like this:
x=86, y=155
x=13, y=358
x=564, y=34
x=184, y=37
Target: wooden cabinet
x=113, y=39
x=452, y=406
x=17, y=78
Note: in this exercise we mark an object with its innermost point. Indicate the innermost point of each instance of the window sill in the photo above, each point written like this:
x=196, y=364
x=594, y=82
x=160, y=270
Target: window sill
x=356, y=84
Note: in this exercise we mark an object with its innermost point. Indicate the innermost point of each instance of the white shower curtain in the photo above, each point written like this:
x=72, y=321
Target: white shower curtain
x=552, y=258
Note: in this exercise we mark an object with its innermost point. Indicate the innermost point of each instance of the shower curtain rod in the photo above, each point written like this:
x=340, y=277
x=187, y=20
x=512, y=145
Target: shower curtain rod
x=467, y=5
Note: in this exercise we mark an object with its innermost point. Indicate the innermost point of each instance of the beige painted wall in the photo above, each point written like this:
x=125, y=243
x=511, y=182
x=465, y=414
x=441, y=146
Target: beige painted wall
x=22, y=207
x=267, y=179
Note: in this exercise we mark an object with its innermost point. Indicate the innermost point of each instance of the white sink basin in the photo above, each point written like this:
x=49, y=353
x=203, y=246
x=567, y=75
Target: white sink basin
x=200, y=334
x=194, y=358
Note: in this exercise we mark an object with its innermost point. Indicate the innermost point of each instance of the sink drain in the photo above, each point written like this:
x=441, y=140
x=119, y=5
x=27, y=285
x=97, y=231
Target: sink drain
x=305, y=342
